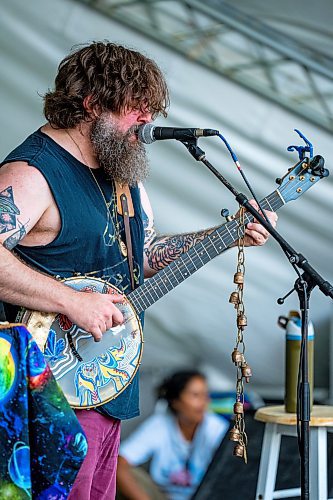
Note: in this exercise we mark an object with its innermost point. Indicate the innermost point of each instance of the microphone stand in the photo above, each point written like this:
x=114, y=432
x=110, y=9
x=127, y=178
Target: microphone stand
x=303, y=285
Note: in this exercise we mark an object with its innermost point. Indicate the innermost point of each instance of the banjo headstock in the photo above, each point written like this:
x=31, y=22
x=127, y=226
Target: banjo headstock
x=301, y=177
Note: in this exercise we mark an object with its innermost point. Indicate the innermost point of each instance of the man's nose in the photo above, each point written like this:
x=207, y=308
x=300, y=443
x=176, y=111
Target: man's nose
x=145, y=117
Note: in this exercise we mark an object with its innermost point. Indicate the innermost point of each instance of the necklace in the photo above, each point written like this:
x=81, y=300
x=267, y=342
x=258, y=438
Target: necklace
x=121, y=243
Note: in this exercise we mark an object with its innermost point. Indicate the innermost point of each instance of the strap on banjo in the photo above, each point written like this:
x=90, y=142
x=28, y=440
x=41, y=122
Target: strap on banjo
x=126, y=209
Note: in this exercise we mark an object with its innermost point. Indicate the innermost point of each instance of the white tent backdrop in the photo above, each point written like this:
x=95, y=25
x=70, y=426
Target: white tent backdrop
x=194, y=325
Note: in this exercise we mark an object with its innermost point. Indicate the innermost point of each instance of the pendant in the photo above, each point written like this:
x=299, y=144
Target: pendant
x=123, y=247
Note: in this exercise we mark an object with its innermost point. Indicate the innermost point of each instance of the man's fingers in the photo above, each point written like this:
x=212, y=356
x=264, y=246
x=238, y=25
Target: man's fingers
x=118, y=318
x=272, y=216
x=257, y=233
x=97, y=334
x=116, y=298
x=254, y=228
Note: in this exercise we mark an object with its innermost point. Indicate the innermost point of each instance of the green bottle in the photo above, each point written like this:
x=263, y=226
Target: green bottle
x=292, y=325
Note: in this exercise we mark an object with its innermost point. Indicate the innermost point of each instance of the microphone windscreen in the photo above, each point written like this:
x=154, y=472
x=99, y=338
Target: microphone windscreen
x=145, y=133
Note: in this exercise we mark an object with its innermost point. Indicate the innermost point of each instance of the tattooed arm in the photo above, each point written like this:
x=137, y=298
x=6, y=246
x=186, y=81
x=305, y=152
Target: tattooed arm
x=24, y=198
x=160, y=251
x=29, y=215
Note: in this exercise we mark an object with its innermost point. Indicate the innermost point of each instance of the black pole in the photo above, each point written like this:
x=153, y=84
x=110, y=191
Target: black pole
x=303, y=287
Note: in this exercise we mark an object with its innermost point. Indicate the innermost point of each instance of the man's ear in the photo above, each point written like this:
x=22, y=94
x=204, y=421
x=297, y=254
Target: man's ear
x=92, y=109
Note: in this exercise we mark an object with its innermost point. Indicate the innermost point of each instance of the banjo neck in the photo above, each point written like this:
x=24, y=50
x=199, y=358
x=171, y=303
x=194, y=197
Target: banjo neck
x=179, y=270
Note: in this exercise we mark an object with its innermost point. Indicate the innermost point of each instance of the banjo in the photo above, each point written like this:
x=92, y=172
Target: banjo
x=92, y=373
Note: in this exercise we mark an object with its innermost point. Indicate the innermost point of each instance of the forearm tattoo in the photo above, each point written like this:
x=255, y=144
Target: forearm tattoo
x=9, y=220
x=165, y=249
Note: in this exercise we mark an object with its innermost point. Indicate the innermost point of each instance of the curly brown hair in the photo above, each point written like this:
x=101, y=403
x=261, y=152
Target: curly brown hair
x=116, y=79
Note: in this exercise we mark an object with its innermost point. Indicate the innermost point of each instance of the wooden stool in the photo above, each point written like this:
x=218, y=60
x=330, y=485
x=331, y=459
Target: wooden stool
x=279, y=423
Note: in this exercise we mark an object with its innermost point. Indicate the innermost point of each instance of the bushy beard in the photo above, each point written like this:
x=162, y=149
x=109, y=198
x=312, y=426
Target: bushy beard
x=122, y=160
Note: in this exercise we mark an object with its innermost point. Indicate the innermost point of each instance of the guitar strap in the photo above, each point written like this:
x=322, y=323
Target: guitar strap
x=126, y=209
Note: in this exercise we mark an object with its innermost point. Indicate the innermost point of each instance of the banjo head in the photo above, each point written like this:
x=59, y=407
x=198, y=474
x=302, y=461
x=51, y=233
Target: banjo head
x=89, y=373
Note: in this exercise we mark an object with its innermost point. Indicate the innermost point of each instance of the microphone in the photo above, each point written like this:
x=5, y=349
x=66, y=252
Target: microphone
x=148, y=133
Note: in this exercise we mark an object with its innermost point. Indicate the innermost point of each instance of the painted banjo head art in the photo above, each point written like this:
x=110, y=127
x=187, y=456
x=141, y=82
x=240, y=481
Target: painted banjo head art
x=89, y=373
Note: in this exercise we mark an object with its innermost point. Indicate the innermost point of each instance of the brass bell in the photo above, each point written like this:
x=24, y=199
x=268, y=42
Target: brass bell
x=238, y=407
x=234, y=434
x=239, y=278
x=237, y=356
x=234, y=299
x=241, y=321
x=238, y=451
x=246, y=372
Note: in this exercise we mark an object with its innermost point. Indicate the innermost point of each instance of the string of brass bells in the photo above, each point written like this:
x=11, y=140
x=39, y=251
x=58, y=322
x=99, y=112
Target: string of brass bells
x=237, y=433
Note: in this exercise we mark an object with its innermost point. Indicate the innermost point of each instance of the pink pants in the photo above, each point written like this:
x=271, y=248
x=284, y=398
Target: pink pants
x=96, y=479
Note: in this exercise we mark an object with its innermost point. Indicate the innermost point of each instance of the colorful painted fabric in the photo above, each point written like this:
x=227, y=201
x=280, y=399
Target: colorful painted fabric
x=42, y=444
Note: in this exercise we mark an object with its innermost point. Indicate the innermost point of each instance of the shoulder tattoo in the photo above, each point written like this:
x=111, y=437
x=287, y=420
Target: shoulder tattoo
x=9, y=220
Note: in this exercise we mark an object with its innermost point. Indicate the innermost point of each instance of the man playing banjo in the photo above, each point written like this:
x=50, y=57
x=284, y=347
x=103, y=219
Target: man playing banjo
x=60, y=217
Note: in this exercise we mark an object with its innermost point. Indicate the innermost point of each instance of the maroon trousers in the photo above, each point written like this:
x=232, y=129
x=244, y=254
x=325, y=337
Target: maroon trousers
x=96, y=479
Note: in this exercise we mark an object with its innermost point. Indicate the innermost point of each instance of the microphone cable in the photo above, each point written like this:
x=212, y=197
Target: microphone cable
x=240, y=170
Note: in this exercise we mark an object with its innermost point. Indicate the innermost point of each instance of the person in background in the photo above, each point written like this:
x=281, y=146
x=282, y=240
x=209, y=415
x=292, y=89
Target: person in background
x=180, y=443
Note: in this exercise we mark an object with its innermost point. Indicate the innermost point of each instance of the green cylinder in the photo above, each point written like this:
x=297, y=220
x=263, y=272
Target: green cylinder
x=292, y=325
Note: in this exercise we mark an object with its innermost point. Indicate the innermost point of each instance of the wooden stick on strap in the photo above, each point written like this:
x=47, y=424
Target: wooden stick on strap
x=124, y=205
x=124, y=189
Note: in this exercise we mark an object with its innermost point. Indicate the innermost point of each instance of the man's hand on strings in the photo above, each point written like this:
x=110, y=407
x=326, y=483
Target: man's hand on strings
x=255, y=233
